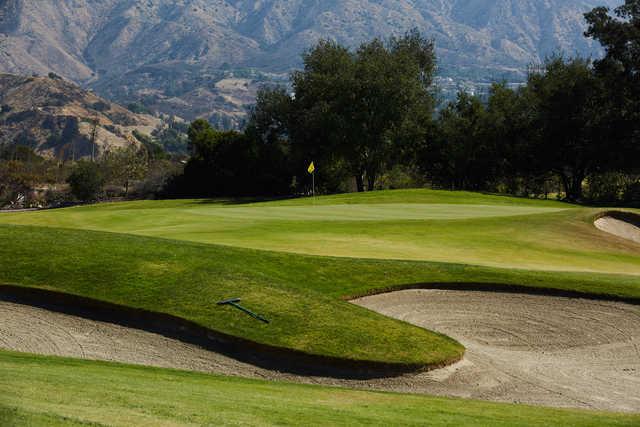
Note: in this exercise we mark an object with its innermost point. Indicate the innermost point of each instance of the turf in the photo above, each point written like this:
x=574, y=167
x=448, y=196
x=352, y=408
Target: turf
x=454, y=227
x=301, y=295
x=185, y=274
x=180, y=257
x=39, y=391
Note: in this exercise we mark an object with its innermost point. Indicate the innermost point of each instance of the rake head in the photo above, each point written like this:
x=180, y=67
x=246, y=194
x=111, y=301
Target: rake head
x=229, y=301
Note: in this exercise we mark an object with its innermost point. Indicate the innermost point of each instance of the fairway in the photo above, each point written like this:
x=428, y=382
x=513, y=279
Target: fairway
x=46, y=391
x=200, y=228
x=208, y=215
x=298, y=262
x=411, y=225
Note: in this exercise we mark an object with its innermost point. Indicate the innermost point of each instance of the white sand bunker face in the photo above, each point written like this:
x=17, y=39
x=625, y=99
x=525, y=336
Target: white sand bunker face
x=619, y=228
x=40, y=331
x=530, y=349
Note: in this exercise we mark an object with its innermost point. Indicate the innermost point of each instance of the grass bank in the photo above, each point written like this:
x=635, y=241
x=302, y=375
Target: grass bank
x=301, y=295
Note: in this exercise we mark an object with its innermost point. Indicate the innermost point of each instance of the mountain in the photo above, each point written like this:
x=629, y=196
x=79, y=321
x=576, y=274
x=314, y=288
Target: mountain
x=58, y=119
x=172, y=53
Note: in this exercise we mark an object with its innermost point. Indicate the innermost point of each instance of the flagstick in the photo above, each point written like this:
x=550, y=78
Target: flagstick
x=313, y=186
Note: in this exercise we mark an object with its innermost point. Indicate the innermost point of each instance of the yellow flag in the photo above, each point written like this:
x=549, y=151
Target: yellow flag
x=312, y=168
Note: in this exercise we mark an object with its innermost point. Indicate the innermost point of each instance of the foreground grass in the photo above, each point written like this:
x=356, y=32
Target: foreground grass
x=36, y=390
x=441, y=226
x=301, y=295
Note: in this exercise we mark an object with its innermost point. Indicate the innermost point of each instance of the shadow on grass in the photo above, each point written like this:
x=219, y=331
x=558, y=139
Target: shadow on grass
x=261, y=355
x=242, y=200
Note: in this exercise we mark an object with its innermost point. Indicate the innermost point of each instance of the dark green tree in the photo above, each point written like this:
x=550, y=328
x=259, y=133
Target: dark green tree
x=619, y=34
x=510, y=126
x=271, y=115
x=356, y=111
x=86, y=181
x=233, y=163
x=570, y=136
x=461, y=155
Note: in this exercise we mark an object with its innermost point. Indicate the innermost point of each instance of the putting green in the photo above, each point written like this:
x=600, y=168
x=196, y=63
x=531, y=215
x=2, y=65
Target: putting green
x=410, y=225
x=360, y=212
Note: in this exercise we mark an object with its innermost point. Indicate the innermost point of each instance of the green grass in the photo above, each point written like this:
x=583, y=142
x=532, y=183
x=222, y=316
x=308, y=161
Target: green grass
x=454, y=227
x=47, y=391
x=301, y=295
x=185, y=274
x=181, y=257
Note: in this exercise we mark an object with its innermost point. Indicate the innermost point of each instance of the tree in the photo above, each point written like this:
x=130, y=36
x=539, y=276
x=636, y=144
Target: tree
x=270, y=117
x=233, y=164
x=461, y=156
x=16, y=181
x=619, y=34
x=571, y=140
x=173, y=137
x=125, y=165
x=354, y=109
x=86, y=181
x=200, y=136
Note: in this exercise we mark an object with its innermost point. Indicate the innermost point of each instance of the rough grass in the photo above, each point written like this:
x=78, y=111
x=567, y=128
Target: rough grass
x=47, y=391
x=454, y=227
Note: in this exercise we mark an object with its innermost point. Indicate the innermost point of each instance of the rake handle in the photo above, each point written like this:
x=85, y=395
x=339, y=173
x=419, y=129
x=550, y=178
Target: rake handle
x=249, y=312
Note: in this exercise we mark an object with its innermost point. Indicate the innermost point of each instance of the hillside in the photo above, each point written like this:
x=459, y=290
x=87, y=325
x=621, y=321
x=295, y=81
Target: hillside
x=59, y=119
x=172, y=54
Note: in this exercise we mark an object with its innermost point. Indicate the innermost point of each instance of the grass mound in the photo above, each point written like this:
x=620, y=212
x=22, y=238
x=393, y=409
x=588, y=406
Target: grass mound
x=301, y=295
x=187, y=279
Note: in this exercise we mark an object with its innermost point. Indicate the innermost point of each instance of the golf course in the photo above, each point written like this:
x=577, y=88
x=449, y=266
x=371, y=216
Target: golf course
x=375, y=303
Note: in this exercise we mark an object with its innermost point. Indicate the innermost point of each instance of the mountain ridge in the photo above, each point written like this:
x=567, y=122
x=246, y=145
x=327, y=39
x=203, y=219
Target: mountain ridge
x=110, y=45
x=61, y=120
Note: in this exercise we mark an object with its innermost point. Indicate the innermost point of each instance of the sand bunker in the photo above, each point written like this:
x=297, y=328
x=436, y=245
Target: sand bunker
x=36, y=330
x=530, y=349
x=618, y=227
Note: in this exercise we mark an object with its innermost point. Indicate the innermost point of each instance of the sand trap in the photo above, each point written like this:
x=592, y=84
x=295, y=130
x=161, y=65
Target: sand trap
x=531, y=349
x=36, y=330
x=619, y=228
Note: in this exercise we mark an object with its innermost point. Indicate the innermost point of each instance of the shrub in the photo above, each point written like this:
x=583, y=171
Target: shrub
x=56, y=198
x=606, y=188
x=86, y=181
x=100, y=106
x=400, y=177
x=631, y=195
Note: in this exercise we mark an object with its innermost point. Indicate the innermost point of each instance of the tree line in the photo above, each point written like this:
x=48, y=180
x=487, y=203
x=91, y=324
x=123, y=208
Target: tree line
x=368, y=118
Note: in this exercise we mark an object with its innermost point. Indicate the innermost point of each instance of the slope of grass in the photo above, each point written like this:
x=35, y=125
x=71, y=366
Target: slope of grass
x=47, y=391
x=441, y=226
x=301, y=295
